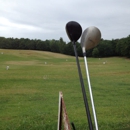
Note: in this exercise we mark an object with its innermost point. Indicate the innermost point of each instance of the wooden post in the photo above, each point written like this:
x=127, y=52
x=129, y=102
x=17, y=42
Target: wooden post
x=62, y=114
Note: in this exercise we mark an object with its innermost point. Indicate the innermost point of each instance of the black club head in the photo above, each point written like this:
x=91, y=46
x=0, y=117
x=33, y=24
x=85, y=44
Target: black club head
x=74, y=30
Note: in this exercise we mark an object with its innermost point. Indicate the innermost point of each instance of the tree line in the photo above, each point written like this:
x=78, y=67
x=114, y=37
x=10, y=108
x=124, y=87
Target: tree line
x=106, y=48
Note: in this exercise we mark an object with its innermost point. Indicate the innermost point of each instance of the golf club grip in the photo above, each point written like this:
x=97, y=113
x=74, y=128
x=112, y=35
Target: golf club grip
x=83, y=90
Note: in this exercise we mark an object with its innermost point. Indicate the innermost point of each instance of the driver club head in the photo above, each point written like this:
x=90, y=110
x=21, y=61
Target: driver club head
x=90, y=38
x=73, y=30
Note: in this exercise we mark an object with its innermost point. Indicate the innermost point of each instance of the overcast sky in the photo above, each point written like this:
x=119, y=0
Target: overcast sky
x=46, y=19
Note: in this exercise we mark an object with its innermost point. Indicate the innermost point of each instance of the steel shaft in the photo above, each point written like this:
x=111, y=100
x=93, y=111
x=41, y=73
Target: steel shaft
x=83, y=90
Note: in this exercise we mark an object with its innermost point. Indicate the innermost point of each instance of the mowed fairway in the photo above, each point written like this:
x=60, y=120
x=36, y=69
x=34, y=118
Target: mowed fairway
x=29, y=90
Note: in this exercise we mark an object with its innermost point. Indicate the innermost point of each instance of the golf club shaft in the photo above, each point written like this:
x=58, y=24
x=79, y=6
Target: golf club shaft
x=83, y=90
x=90, y=91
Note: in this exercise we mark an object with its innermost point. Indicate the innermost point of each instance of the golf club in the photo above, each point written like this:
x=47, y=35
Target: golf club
x=74, y=31
x=90, y=38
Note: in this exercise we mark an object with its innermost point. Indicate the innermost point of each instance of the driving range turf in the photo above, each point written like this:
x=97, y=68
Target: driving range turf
x=29, y=90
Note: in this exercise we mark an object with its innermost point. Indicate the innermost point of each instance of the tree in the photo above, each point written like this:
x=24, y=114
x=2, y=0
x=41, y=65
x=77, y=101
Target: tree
x=106, y=48
x=61, y=45
x=69, y=49
x=15, y=43
x=39, y=45
x=95, y=52
x=32, y=45
x=47, y=42
x=79, y=49
x=54, y=46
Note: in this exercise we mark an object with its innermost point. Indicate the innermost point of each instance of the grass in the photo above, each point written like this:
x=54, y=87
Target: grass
x=29, y=90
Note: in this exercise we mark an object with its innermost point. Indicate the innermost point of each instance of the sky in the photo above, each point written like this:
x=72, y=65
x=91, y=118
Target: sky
x=46, y=19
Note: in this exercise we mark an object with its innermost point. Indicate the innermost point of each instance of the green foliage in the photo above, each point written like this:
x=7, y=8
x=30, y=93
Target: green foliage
x=69, y=49
x=123, y=47
x=54, y=46
x=95, y=52
x=106, y=48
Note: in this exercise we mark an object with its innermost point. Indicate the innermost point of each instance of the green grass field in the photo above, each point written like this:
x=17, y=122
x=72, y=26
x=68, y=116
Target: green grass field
x=29, y=90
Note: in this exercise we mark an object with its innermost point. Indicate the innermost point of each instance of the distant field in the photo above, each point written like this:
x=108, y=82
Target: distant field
x=29, y=90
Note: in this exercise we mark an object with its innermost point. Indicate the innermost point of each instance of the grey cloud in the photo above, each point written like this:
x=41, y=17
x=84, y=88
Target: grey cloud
x=43, y=19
